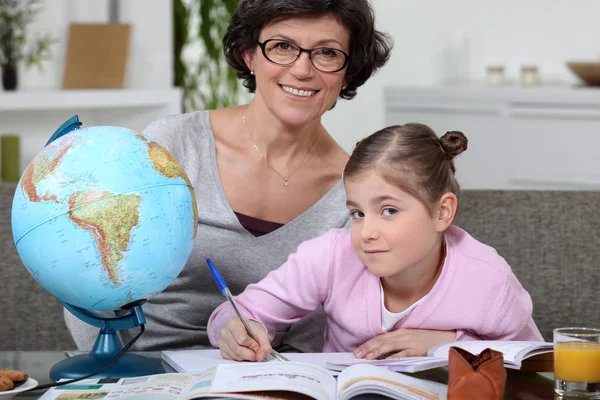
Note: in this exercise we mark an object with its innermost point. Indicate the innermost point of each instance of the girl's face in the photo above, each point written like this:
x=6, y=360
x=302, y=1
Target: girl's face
x=392, y=231
x=299, y=92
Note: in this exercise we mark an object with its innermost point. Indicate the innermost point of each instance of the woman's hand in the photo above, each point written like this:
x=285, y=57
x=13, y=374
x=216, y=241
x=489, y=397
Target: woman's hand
x=236, y=344
x=403, y=343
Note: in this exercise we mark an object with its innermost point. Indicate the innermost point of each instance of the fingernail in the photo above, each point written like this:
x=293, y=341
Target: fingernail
x=357, y=353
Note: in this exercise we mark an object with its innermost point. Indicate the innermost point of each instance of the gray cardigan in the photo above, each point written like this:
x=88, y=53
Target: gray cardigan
x=178, y=316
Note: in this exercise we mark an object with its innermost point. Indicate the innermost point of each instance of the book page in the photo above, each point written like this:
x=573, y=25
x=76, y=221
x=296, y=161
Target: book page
x=306, y=379
x=162, y=386
x=369, y=379
x=404, y=364
x=195, y=362
x=514, y=352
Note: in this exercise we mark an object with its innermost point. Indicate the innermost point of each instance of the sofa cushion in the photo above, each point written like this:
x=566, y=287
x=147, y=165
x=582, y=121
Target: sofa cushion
x=550, y=239
x=32, y=318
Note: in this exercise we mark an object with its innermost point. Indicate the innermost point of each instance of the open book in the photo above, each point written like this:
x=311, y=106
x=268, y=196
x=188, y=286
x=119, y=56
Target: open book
x=514, y=353
x=288, y=380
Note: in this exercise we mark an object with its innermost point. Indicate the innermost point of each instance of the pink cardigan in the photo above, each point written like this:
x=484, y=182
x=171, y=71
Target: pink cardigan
x=476, y=294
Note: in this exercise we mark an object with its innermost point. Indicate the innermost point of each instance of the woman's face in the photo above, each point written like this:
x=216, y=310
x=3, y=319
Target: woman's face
x=299, y=92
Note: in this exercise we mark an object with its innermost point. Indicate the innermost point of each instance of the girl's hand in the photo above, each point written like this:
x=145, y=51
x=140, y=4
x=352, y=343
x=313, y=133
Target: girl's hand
x=403, y=343
x=236, y=344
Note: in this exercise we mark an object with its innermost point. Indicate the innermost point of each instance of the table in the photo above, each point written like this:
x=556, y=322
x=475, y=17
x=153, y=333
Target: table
x=38, y=363
x=526, y=386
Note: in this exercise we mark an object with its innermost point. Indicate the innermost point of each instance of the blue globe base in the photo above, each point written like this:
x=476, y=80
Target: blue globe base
x=129, y=365
x=106, y=348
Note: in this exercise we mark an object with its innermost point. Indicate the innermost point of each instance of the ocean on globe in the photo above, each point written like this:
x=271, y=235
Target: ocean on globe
x=103, y=217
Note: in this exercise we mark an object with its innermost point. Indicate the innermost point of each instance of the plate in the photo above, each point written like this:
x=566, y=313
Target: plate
x=30, y=383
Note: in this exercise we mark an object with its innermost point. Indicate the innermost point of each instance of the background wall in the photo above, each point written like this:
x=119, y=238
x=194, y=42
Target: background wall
x=149, y=70
x=151, y=50
x=431, y=38
x=429, y=33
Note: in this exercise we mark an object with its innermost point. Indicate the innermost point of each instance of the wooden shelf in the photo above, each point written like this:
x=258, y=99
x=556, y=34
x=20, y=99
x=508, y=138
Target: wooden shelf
x=87, y=99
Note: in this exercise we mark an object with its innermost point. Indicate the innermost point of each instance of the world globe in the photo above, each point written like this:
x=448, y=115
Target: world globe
x=103, y=217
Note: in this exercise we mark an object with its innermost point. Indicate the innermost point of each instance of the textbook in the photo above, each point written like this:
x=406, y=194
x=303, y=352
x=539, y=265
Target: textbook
x=258, y=381
x=195, y=362
x=514, y=353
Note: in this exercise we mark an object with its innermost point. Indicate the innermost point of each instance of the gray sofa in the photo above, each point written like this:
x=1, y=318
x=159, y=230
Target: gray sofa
x=549, y=239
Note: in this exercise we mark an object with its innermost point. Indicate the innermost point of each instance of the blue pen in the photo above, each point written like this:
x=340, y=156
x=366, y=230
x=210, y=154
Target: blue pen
x=227, y=293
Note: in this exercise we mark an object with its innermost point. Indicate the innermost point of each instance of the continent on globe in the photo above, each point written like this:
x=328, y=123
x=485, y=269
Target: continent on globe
x=104, y=217
x=167, y=165
x=110, y=218
x=42, y=166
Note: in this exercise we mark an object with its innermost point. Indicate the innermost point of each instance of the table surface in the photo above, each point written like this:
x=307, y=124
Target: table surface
x=37, y=364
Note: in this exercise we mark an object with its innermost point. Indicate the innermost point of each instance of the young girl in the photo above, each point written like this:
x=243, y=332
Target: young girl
x=403, y=278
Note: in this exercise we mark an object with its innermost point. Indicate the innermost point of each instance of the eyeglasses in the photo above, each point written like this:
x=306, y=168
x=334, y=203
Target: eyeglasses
x=282, y=52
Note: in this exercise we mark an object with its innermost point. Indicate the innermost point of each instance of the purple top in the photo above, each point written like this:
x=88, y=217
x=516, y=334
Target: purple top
x=257, y=227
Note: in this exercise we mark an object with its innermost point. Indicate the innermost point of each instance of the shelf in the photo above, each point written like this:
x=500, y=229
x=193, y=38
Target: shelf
x=482, y=95
x=87, y=99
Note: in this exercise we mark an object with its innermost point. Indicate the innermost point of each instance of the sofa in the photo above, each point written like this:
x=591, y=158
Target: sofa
x=548, y=237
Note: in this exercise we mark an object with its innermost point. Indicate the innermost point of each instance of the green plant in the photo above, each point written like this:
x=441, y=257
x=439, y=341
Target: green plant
x=15, y=15
x=208, y=82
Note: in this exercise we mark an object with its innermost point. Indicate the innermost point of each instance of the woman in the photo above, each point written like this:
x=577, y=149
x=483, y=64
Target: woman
x=267, y=175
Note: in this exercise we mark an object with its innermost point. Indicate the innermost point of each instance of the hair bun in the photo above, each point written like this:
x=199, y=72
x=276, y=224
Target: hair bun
x=454, y=143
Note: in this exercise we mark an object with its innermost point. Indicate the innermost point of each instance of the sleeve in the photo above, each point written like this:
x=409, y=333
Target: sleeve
x=466, y=335
x=511, y=317
x=286, y=294
x=179, y=134
x=160, y=131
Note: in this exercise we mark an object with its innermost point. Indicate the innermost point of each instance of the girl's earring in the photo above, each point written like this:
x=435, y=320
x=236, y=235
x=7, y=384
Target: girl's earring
x=251, y=72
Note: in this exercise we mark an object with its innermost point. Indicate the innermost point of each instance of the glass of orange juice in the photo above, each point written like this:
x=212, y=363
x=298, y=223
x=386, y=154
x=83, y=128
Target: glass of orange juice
x=577, y=362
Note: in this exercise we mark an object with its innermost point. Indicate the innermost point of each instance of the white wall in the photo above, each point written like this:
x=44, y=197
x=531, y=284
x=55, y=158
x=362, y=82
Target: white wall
x=150, y=65
x=509, y=32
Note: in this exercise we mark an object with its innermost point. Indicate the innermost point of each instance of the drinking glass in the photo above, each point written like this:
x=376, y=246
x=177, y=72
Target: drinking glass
x=577, y=362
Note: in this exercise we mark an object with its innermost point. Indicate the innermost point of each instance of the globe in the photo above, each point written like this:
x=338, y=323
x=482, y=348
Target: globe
x=103, y=217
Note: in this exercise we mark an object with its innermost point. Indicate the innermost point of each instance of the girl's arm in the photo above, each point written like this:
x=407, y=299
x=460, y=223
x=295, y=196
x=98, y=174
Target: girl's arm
x=511, y=318
x=286, y=294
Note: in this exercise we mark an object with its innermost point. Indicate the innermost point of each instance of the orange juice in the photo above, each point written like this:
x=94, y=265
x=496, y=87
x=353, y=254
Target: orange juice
x=577, y=362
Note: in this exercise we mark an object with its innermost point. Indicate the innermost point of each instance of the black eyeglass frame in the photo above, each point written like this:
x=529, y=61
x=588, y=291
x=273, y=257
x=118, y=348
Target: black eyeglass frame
x=263, y=46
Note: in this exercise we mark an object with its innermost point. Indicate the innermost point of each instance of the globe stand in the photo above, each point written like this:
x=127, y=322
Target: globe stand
x=107, y=346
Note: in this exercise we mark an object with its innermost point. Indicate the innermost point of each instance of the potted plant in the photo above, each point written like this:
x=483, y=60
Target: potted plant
x=207, y=81
x=15, y=15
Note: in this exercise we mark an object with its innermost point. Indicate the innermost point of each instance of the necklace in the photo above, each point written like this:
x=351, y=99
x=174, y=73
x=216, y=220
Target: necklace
x=285, y=179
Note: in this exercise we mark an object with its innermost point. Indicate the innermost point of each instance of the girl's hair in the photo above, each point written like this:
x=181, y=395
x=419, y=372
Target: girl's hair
x=412, y=158
x=369, y=48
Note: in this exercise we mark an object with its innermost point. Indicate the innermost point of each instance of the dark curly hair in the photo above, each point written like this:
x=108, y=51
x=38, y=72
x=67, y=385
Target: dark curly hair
x=369, y=48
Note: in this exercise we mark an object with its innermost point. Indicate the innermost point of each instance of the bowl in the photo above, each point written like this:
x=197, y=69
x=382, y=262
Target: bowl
x=588, y=72
x=30, y=383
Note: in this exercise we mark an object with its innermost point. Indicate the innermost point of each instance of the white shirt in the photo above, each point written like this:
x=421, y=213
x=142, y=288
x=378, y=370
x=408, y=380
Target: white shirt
x=389, y=319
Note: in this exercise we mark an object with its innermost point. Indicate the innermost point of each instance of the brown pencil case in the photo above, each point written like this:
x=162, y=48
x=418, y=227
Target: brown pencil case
x=480, y=376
